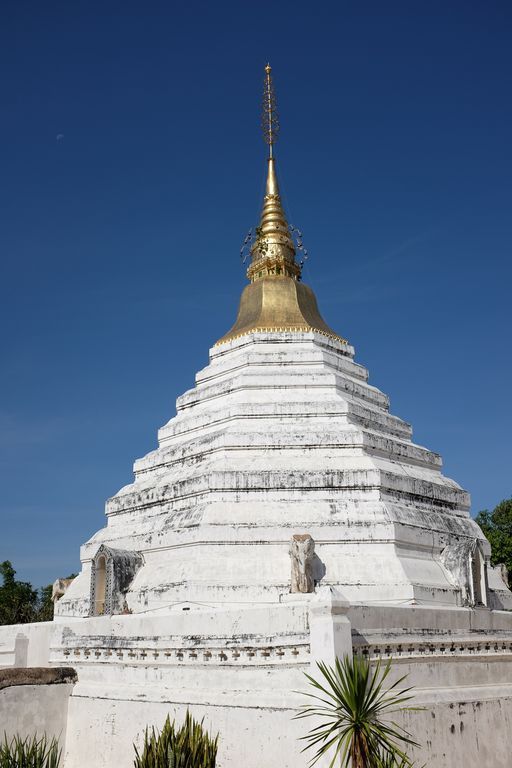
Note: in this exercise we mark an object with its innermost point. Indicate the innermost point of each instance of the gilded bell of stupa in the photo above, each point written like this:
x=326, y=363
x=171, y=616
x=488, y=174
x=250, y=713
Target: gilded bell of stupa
x=275, y=300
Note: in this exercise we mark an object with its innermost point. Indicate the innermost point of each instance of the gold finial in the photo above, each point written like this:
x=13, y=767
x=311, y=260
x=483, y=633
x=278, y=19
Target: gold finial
x=270, y=118
x=275, y=301
x=273, y=251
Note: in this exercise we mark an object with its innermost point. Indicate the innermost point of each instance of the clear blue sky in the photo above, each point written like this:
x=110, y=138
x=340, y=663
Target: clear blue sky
x=131, y=168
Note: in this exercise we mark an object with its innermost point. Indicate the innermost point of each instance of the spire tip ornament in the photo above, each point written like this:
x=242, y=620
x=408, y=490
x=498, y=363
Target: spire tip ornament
x=270, y=117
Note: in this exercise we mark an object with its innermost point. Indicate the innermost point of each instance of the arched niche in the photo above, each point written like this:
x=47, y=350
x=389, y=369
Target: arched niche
x=478, y=577
x=465, y=562
x=100, y=591
x=112, y=573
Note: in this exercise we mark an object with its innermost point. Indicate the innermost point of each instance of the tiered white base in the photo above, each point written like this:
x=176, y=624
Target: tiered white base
x=282, y=435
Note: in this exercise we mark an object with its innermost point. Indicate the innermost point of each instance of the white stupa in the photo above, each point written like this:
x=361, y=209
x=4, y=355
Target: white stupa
x=189, y=595
x=283, y=435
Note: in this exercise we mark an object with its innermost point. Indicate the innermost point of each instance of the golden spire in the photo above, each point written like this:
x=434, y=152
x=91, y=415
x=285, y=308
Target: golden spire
x=273, y=252
x=275, y=301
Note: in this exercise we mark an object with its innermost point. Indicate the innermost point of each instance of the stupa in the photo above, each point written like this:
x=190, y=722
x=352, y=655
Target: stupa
x=286, y=516
x=282, y=435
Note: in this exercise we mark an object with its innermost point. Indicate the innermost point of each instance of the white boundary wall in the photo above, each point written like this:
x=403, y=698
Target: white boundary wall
x=28, y=710
x=25, y=645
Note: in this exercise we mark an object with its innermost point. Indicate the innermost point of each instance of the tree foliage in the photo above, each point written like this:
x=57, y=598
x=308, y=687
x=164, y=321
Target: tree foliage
x=45, y=610
x=20, y=602
x=352, y=708
x=497, y=527
x=18, y=599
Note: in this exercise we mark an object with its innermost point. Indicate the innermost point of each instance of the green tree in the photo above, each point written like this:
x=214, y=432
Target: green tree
x=18, y=599
x=497, y=527
x=20, y=602
x=45, y=604
x=352, y=708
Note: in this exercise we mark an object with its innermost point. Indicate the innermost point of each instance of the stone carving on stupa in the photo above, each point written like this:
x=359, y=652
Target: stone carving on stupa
x=59, y=588
x=302, y=552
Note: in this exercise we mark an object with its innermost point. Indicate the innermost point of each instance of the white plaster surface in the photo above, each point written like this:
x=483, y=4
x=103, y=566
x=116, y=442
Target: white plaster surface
x=266, y=737
x=25, y=645
x=28, y=710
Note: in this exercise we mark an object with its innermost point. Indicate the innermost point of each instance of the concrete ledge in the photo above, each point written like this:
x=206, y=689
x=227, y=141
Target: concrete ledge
x=36, y=676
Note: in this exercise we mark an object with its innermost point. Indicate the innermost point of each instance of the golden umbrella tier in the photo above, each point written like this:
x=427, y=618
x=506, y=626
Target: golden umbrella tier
x=276, y=304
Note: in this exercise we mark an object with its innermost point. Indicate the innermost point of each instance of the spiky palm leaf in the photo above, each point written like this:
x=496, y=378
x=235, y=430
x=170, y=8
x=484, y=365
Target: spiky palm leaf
x=188, y=746
x=353, y=709
x=29, y=752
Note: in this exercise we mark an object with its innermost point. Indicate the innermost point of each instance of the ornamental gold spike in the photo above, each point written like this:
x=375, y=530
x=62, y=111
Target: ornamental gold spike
x=270, y=117
x=272, y=252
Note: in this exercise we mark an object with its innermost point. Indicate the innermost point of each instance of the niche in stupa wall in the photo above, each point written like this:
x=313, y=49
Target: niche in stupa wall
x=467, y=569
x=112, y=573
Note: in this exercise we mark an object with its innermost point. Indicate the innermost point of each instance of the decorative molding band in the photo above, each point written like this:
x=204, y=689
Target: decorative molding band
x=173, y=656
x=437, y=648
x=283, y=329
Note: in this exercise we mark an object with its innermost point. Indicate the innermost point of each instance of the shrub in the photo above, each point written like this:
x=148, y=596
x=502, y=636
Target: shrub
x=189, y=746
x=30, y=752
x=352, y=708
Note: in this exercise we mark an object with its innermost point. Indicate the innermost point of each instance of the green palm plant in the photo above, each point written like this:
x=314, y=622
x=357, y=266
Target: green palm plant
x=29, y=752
x=353, y=708
x=188, y=746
